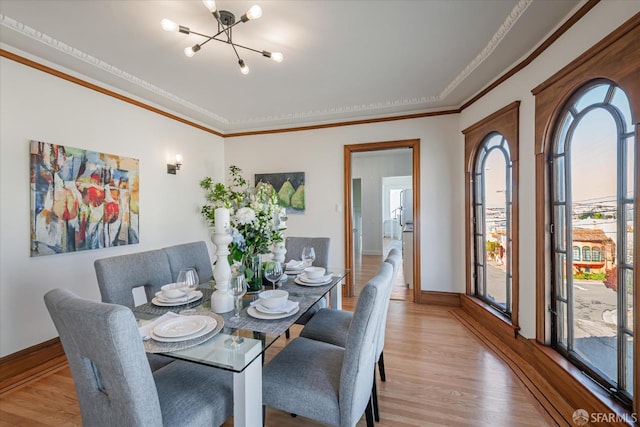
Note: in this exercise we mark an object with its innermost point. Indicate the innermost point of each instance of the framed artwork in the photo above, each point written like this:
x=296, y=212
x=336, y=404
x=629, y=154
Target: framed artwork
x=290, y=189
x=81, y=199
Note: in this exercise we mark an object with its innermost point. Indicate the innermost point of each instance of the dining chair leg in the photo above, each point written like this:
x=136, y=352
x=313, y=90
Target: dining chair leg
x=383, y=377
x=374, y=398
x=368, y=413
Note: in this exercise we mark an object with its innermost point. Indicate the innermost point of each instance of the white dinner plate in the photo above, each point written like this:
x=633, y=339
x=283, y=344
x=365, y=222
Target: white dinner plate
x=287, y=308
x=299, y=281
x=322, y=279
x=181, y=326
x=251, y=311
x=166, y=303
x=210, y=326
x=163, y=298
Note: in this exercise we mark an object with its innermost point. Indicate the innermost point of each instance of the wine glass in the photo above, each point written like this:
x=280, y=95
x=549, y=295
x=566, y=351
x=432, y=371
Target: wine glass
x=189, y=281
x=273, y=272
x=237, y=289
x=308, y=256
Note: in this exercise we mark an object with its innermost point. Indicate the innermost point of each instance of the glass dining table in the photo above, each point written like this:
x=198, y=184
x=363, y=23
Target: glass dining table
x=258, y=333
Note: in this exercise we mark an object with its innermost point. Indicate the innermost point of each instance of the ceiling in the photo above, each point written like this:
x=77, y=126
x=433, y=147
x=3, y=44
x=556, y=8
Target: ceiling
x=343, y=60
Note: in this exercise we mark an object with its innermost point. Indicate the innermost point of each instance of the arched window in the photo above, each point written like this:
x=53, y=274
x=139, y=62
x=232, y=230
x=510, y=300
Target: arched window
x=491, y=207
x=492, y=222
x=593, y=170
x=576, y=253
x=595, y=254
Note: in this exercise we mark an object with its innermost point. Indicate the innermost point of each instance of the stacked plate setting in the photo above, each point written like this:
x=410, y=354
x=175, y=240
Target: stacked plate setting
x=183, y=328
x=294, y=267
x=303, y=280
x=259, y=310
x=162, y=300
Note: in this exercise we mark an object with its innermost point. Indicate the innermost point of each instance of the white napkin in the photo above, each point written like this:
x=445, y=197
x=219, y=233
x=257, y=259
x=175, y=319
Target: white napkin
x=145, y=331
x=294, y=264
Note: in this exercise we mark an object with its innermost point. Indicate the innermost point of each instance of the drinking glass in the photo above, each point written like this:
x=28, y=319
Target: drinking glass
x=308, y=256
x=237, y=289
x=273, y=272
x=189, y=280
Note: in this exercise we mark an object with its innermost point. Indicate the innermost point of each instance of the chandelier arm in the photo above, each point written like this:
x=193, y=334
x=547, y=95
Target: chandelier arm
x=233, y=45
x=247, y=48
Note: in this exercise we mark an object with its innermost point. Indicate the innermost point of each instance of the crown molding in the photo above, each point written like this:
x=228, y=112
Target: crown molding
x=51, y=42
x=421, y=102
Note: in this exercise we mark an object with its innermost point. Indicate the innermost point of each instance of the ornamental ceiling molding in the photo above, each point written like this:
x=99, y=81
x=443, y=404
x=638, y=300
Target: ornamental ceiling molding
x=506, y=26
x=47, y=40
x=504, y=29
x=51, y=42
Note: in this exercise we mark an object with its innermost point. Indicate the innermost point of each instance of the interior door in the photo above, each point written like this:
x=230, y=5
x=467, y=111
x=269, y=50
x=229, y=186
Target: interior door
x=349, y=240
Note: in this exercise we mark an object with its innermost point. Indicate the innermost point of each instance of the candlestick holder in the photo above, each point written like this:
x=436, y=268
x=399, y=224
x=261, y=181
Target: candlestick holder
x=278, y=251
x=221, y=300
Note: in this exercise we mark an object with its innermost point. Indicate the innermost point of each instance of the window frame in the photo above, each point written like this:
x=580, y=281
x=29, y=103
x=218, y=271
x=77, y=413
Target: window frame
x=600, y=61
x=506, y=123
x=561, y=163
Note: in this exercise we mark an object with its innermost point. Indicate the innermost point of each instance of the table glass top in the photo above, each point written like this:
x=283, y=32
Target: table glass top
x=258, y=334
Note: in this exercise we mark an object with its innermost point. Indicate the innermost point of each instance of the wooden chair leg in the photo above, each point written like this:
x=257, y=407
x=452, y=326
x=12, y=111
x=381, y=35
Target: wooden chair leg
x=383, y=377
x=374, y=398
x=368, y=413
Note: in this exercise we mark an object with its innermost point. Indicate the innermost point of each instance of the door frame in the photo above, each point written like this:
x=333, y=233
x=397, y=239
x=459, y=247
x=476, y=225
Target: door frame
x=414, y=144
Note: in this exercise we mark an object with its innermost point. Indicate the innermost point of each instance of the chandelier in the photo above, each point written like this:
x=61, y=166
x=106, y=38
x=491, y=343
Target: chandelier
x=226, y=21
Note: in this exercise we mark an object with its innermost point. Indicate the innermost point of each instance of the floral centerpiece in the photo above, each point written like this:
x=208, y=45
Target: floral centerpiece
x=254, y=221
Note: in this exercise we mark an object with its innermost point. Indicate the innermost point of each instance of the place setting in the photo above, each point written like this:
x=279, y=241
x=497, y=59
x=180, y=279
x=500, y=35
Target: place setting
x=182, y=292
x=173, y=331
x=314, y=276
x=273, y=304
x=294, y=267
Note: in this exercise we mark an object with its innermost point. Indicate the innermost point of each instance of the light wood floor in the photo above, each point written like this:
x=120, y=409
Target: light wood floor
x=438, y=374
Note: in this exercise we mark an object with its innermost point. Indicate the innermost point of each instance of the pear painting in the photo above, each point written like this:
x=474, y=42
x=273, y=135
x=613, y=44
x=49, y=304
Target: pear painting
x=289, y=188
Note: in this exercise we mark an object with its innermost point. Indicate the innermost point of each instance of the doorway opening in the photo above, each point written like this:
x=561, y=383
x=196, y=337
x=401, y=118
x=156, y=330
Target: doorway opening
x=382, y=187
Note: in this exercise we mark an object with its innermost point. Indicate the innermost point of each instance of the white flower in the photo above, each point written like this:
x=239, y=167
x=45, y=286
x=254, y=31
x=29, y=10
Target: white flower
x=245, y=216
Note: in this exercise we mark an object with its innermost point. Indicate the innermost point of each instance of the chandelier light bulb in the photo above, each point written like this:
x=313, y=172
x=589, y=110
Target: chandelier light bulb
x=210, y=4
x=190, y=51
x=243, y=67
x=277, y=56
x=169, y=25
x=254, y=13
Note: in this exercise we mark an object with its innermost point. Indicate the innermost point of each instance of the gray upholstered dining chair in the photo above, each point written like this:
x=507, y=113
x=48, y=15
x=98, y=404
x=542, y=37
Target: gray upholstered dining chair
x=321, y=246
x=325, y=382
x=332, y=326
x=190, y=255
x=114, y=383
x=119, y=275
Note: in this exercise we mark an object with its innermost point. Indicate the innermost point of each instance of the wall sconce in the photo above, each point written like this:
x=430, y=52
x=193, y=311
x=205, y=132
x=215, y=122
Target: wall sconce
x=173, y=168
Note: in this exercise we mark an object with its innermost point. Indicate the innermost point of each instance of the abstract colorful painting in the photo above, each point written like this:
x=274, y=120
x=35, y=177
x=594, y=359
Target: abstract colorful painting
x=81, y=199
x=290, y=189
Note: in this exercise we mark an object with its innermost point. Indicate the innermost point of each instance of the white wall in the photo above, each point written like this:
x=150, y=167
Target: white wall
x=35, y=105
x=605, y=17
x=319, y=153
x=371, y=167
